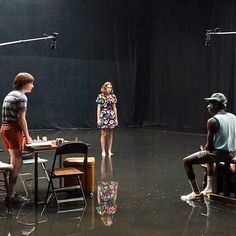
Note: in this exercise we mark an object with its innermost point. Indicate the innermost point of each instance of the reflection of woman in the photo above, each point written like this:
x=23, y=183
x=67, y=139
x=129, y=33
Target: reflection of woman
x=107, y=192
x=106, y=116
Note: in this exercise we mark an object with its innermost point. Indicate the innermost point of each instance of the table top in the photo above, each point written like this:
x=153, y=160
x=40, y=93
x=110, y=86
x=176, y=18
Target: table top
x=43, y=146
x=37, y=146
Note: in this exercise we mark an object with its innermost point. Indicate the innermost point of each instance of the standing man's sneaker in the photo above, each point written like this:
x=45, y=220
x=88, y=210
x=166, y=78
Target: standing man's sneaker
x=191, y=197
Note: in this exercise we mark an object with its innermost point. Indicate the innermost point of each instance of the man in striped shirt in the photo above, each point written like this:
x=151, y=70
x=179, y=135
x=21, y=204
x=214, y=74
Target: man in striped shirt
x=14, y=127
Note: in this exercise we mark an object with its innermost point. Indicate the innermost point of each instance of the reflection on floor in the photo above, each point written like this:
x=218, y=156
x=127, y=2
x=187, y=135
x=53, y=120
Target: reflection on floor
x=138, y=191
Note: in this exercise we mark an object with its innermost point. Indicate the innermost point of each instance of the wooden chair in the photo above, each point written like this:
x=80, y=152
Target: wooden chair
x=61, y=193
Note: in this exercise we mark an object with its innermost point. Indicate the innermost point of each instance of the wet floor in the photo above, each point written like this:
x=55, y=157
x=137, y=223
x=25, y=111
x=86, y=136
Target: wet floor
x=141, y=185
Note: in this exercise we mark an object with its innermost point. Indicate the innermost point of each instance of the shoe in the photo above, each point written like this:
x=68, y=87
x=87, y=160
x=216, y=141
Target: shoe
x=191, y=197
x=16, y=199
x=206, y=191
x=110, y=153
x=103, y=154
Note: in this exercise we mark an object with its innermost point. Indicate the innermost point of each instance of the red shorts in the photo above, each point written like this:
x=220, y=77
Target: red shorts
x=12, y=136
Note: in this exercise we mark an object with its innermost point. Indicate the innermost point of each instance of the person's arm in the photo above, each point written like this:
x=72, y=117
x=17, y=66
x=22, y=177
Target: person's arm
x=24, y=126
x=98, y=114
x=212, y=128
x=115, y=111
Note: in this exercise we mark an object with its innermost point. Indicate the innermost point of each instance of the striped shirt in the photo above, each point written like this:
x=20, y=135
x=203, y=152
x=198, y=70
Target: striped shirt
x=14, y=102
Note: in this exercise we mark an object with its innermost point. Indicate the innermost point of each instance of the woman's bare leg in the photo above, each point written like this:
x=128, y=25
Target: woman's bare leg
x=110, y=141
x=103, y=141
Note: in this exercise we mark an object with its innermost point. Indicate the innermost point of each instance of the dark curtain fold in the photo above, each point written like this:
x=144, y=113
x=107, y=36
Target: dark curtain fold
x=153, y=52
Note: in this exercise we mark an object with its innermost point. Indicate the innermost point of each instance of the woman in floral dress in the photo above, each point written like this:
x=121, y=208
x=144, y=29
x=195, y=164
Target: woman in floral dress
x=106, y=116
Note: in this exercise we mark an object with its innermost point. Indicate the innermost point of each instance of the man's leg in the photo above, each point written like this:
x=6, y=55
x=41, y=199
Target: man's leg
x=189, y=161
x=208, y=188
x=17, y=162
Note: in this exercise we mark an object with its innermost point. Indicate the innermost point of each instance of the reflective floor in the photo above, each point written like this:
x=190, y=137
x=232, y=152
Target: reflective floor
x=141, y=185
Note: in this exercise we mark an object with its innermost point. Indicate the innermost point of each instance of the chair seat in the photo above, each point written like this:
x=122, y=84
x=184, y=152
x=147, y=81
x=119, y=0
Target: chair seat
x=67, y=171
x=5, y=166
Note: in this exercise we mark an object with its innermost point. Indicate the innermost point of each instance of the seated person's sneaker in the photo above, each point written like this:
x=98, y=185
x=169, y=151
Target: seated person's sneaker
x=206, y=191
x=16, y=199
x=191, y=197
x=194, y=203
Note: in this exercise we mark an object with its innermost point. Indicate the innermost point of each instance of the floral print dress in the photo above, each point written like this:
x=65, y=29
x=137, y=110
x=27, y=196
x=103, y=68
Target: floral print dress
x=107, y=114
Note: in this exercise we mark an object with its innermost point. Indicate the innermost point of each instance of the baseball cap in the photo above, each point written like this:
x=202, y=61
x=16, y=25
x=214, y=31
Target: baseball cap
x=219, y=97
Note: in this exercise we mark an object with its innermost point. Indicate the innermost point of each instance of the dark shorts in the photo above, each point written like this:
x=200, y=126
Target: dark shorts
x=214, y=156
x=12, y=136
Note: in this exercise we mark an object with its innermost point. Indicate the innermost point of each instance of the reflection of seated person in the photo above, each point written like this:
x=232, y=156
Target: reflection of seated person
x=200, y=212
x=107, y=192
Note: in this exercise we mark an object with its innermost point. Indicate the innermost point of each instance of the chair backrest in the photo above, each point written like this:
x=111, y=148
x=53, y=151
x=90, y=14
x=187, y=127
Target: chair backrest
x=73, y=147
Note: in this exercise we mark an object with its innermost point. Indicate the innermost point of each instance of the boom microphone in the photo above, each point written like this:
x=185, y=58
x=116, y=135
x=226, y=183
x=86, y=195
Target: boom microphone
x=54, y=41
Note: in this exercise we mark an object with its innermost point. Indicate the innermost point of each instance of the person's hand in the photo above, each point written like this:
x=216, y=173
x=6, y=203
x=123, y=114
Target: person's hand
x=28, y=140
x=99, y=123
x=201, y=148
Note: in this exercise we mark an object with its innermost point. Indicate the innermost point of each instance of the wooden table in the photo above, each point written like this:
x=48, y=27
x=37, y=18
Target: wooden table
x=36, y=148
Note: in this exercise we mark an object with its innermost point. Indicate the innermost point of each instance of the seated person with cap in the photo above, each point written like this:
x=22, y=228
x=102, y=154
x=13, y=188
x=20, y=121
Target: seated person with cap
x=220, y=145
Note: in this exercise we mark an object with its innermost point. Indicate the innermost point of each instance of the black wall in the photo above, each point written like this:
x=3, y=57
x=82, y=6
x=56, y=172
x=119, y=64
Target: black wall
x=152, y=51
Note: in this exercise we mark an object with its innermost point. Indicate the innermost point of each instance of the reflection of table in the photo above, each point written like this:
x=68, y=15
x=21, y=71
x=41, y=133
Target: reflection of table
x=36, y=148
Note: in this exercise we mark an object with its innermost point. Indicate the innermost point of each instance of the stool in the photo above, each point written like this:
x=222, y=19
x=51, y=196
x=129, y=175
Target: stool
x=4, y=169
x=78, y=162
x=224, y=182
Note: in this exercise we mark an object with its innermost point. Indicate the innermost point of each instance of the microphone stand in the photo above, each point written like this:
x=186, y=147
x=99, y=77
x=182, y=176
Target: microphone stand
x=53, y=37
x=215, y=32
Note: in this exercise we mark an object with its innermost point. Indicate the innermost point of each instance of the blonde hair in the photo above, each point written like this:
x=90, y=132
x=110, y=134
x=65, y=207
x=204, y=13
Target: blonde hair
x=104, y=87
x=107, y=219
x=21, y=80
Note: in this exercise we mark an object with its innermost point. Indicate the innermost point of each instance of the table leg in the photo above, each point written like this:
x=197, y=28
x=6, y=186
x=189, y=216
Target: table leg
x=36, y=155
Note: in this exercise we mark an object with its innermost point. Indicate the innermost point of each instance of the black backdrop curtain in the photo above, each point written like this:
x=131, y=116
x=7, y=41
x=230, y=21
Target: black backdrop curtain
x=152, y=51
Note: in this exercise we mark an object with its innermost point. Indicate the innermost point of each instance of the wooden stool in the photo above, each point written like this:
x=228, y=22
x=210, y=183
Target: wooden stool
x=78, y=162
x=224, y=183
